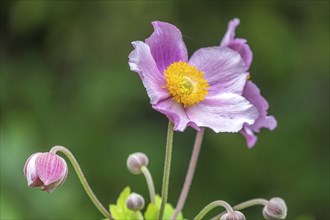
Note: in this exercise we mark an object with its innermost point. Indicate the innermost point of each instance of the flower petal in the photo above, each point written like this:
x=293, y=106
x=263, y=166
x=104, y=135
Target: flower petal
x=59, y=182
x=223, y=68
x=176, y=113
x=230, y=33
x=250, y=138
x=166, y=45
x=266, y=122
x=237, y=44
x=51, y=168
x=240, y=46
x=225, y=112
x=252, y=93
x=30, y=171
x=142, y=62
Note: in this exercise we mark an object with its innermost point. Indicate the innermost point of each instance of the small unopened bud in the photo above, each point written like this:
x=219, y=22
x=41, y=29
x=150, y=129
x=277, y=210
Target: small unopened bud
x=46, y=170
x=135, y=161
x=235, y=215
x=135, y=202
x=275, y=209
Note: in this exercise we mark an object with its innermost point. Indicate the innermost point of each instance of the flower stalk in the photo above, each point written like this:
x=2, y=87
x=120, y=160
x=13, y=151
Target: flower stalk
x=82, y=179
x=167, y=168
x=150, y=183
x=250, y=203
x=243, y=205
x=190, y=173
x=213, y=205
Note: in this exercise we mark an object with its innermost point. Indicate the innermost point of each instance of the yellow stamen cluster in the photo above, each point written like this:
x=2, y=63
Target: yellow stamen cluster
x=185, y=83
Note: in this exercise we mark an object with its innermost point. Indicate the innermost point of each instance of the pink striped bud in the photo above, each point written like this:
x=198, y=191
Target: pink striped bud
x=135, y=202
x=135, y=161
x=235, y=215
x=46, y=170
x=275, y=209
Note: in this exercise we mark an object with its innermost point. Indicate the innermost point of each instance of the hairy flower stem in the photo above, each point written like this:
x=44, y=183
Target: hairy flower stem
x=82, y=179
x=211, y=206
x=190, y=173
x=167, y=168
x=150, y=183
x=244, y=205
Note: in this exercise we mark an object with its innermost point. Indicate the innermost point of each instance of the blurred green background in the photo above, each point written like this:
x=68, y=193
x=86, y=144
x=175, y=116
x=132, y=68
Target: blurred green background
x=65, y=81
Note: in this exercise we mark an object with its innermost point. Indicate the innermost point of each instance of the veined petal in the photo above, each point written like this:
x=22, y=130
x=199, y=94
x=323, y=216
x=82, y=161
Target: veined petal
x=252, y=93
x=240, y=46
x=226, y=112
x=237, y=44
x=142, y=62
x=166, y=45
x=51, y=168
x=54, y=185
x=223, y=68
x=176, y=113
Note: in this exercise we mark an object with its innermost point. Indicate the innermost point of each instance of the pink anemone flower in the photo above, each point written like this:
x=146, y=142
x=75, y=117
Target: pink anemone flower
x=251, y=92
x=204, y=91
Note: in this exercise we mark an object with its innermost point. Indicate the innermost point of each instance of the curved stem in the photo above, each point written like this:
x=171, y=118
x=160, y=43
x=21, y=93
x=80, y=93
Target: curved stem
x=82, y=179
x=150, y=183
x=243, y=205
x=211, y=206
x=190, y=173
x=167, y=168
x=249, y=203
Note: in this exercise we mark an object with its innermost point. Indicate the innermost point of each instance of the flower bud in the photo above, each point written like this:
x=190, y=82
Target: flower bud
x=275, y=209
x=135, y=202
x=46, y=170
x=135, y=161
x=235, y=215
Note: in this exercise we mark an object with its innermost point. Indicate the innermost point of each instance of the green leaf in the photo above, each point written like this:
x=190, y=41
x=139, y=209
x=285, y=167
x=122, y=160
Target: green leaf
x=153, y=210
x=120, y=210
x=121, y=201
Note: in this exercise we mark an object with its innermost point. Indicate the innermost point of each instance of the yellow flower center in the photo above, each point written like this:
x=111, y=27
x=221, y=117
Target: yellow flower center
x=185, y=83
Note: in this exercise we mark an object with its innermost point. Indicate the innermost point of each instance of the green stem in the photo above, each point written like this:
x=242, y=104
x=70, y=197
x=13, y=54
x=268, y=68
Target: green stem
x=211, y=206
x=249, y=203
x=244, y=205
x=167, y=168
x=150, y=183
x=82, y=179
x=190, y=173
